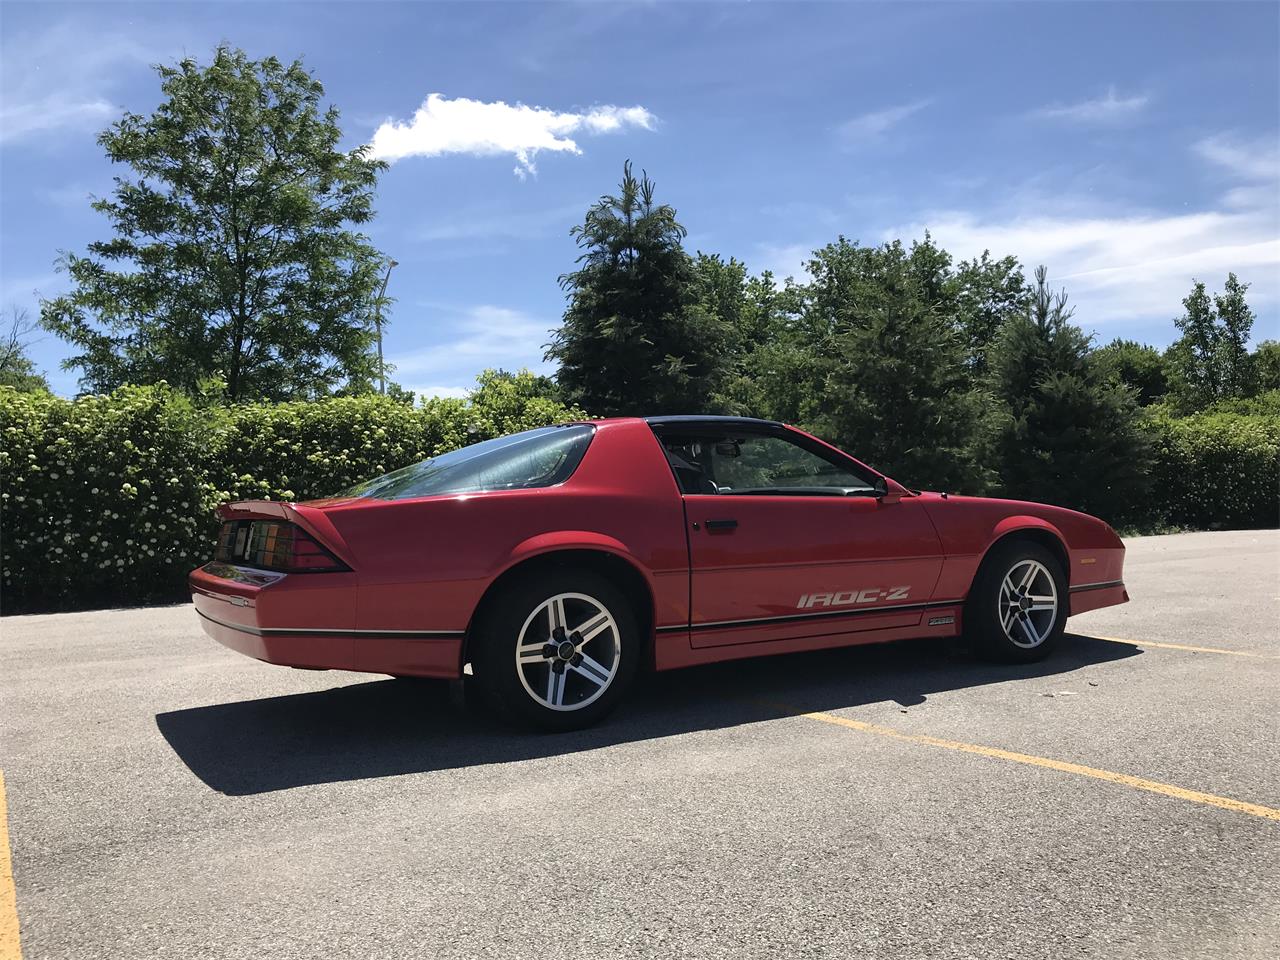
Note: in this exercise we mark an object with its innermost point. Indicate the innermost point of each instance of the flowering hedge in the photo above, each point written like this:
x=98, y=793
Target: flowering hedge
x=1217, y=469
x=109, y=500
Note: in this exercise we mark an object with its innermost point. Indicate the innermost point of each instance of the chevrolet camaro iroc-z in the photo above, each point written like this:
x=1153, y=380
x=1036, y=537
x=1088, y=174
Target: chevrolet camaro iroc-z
x=550, y=565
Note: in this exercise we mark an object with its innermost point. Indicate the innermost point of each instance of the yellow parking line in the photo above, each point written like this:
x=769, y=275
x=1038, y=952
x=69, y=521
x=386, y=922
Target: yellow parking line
x=10, y=944
x=1183, y=646
x=1168, y=790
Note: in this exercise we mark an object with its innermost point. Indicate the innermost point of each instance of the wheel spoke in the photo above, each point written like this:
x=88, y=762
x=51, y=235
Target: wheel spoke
x=1048, y=599
x=1009, y=616
x=1025, y=585
x=531, y=653
x=555, y=612
x=555, y=687
x=593, y=628
x=1042, y=606
x=1029, y=629
x=592, y=670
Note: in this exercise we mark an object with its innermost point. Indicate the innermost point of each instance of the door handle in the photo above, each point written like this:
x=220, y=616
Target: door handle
x=721, y=524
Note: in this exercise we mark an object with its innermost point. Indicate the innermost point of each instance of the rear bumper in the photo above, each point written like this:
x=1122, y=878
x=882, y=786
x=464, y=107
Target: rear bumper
x=311, y=650
x=307, y=621
x=1092, y=596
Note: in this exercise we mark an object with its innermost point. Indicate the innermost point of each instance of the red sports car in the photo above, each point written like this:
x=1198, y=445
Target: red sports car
x=551, y=564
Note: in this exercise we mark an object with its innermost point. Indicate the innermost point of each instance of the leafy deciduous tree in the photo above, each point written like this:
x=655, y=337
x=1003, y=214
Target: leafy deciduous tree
x=987, y=292
x=233, y=250
x=1211, y=360
x=1266, y=364
x=1136, y=365
x=1236, y=321
x=17, y=369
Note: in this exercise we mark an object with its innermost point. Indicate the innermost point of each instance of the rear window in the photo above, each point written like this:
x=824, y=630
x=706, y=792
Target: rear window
x=534, y=458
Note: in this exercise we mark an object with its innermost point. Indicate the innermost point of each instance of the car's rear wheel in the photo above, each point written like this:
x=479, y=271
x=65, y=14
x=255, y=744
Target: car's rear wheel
x=1017, y=608
x=555, y=650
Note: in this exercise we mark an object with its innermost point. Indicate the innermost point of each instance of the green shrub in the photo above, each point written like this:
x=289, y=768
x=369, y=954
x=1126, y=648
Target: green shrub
x=109, y=500
x=1217, y=469
x=105, y=499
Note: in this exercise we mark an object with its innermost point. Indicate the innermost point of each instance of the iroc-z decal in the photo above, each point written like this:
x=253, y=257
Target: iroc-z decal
x=847, y=598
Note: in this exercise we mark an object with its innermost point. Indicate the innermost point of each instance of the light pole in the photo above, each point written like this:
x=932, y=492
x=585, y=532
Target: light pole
x=377, y=321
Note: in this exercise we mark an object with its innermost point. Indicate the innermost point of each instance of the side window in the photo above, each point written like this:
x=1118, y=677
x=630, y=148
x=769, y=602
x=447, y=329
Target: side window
x=756, y=464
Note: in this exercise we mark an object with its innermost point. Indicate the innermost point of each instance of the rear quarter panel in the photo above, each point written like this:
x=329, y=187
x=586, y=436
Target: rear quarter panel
x=424, y=564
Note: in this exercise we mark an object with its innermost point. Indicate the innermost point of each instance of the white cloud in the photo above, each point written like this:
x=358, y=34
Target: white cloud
x=783, y=260
x=441, y=126
x=1107, y=109
x=1133, y=266
x=54, y=80
x=51, y=112
x=873, y=126
x=1124, y=268
x=484, y=336
x=1246, y=159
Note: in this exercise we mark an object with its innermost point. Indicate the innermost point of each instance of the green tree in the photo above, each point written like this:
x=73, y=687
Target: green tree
x=1194, y=357
x=641, y=333
x=17, y=370
x=504, y=402
x=1137, y=365
x=986, y=292
x=1210, y=361
x=1236, y=321
x=1266, y=364
x=1070, y=433
x=763, y=341
x=868, y=354
x=233, y=250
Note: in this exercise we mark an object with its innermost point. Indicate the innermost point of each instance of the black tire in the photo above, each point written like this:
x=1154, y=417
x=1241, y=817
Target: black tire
x=990, y=608
x=525, y=694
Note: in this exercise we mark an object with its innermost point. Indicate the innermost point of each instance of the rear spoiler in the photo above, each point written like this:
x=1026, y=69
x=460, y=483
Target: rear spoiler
x=257, y=510
x=311, y=520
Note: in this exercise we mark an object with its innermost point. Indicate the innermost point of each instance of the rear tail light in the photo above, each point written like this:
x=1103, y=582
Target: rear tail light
x=274, y=545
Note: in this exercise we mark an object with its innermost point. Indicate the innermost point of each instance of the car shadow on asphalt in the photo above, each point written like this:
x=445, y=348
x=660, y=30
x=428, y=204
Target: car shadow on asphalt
x=385, y=728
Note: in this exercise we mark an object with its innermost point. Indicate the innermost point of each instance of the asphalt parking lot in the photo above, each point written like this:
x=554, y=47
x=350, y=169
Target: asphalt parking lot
x=167, y=797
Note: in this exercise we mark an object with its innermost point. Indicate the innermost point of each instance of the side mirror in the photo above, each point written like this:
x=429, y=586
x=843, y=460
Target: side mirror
x=884, y=494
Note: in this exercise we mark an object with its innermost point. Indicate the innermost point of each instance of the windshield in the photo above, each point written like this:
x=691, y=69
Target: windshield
x=534, y=458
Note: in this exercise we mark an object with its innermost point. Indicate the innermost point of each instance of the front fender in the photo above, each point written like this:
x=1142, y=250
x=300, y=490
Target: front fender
x=1020, y=522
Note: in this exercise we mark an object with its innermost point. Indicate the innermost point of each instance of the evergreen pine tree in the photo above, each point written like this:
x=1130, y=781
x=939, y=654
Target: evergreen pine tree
x=638, y=336
x=1069, y=435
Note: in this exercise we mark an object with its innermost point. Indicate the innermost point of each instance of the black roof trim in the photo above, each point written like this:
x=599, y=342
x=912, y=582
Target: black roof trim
x=693, y=420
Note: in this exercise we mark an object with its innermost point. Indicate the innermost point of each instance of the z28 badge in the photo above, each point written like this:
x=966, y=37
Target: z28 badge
x=847, y=597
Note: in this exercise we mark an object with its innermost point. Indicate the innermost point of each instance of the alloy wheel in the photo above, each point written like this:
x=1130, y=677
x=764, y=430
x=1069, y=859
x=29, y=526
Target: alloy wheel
x=569, y=651
x=1028, y=604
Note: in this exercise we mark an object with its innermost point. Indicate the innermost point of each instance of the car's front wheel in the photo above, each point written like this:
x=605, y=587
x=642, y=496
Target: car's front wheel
x=556, y=649
x=1017, y=608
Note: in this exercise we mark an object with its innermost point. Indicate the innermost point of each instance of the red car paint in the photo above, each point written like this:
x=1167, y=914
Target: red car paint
x=796, y=573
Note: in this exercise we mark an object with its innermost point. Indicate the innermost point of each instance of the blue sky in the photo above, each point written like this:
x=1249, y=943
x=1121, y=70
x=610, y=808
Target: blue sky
x=1131, y=148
